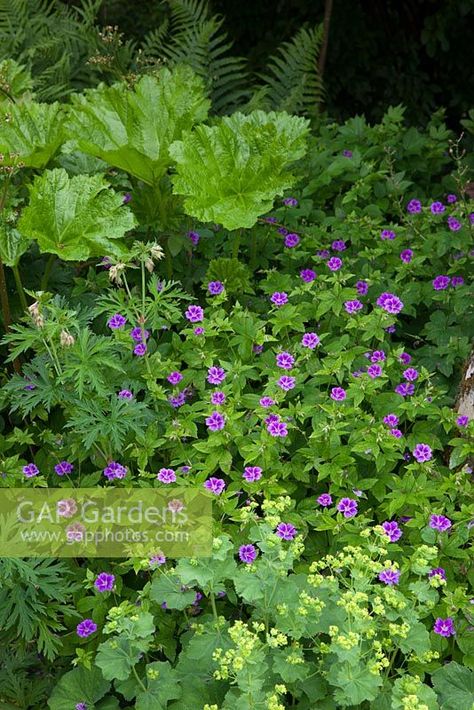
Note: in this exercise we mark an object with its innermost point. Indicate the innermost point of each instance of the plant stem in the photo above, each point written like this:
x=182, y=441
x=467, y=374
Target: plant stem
x=19, y=287
x=325, y=42
x=253, y=250
x=139, y=681
x=7, y=319
x=47, y=272
x=236, y=244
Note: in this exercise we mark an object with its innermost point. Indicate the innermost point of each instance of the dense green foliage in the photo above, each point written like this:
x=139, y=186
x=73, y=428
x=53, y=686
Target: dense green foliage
x=296, y=355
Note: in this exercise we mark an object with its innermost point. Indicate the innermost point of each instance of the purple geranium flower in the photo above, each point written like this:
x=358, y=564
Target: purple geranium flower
x=437, y=208
x=286, y=531
x=310, y=340
x=266, y=402
x=440, y=283
x=437, y=572
x=457, y=281
x=414, y=206
x=390, y=420
x=444, y=627
x=387, y=234
x=325, y=499
x=440, y=523
x=390, y=303
x=215, y=421
x=405, y=389
x=454, y=224
x=277, y=428
x=194, y=237
x=405, y=358
x=216, y=375
x=247, y=554
x=338, y=394
x=285, y=360
x=347, y=153
x=353, y=306
x=30, y=470
x=406, y=255
x=338, y=245
x=290, y=202
x=396, y=433
x=198, y=331
x=334, y=263
x=392, y=530
x=279, y=298
x=104, y=582
x=389, y=576
x=463, y=420
x=215, y=485
x=451, y=199
x=252, y=473
x=348, y=507
x=410, y=374
x=194, y=314
x=374, y=371
x=286, y=383
x=115, y=470
x=63, y=467
x=85, y=628
x=125, y=394
x=217, y=397
x=174, y=377
x=140, y=349
x=307, y=275
x=291, y=240
x=422, y=453
x=215, y=287
x=116, y=321
x=139, y=335
x=166, y=475
x=362, y=288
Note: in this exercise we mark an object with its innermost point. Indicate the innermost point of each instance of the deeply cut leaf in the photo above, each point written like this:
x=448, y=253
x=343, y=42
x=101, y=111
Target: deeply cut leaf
x=132, y=129
x=75, y=218
x=230, y=173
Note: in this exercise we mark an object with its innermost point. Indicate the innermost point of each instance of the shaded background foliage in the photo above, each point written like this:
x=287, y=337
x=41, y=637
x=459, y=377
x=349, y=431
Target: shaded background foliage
x=381, y=52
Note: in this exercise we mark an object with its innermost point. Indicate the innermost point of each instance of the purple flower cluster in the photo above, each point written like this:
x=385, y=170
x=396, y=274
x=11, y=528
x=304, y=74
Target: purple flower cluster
x=389, y=576
x=166, y=475
x=292, y=240
x=338, y=394
x=63, y=468
x=252, y=473
x=115, y=470
x=310, y=340
x=392, y=530
x=215, y=485
x=275, y=426
x=440, y=523
x=104, y=582
x=285, y=360
x=390, y=303
x=387, y=234
x=215, y=421
x=215, y=287
x=334, y=263
x=279, y=298
x=307, y=275
x=247, y=554
x=216, y=375
x=353, y=306
x=348, y=507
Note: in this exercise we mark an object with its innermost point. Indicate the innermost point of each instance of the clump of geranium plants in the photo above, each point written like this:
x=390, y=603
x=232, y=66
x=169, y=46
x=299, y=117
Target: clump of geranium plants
x=275, y=318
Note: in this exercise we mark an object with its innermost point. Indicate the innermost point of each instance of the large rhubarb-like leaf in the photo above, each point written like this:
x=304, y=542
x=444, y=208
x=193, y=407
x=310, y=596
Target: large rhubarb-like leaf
x=132, y=129
x=30, y=133
x=230, y=173
x=76, y=217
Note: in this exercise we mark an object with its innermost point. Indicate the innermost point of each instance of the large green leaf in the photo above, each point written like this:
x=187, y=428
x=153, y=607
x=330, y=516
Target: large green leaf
x=12, y=244
x=230, y=173
x=162, y=685
x=117, y=656
x=455, y=687
x=32, y=134
x=75, y=218
x=78, y=685
x=132, y=129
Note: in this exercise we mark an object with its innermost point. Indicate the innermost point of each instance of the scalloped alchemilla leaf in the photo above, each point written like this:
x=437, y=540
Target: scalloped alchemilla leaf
x=75, y=218
x=133, y=129
x=79, y=685
x=230, y=173
x=31, y=133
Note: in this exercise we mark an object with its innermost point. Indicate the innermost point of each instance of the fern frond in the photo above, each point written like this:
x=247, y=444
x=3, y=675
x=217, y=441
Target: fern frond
x=291, y=81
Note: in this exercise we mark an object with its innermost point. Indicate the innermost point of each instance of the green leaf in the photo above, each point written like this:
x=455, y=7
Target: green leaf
x=12, y=244
x=116, y=657
x=75, y=218
x=231, y=172
x=32, y=134
x=78, y=685
x=357, y=684
x=162, y=686
x=455, y=687
x=168, y=589
x=132, y=129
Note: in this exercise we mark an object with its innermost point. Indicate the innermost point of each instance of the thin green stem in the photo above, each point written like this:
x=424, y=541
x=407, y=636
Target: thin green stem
x=138, y=679
x=19, y=288
x=236, y=244
x=47, y=272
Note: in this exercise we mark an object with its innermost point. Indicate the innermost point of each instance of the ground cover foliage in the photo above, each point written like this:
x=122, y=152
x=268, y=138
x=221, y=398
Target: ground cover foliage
x=272, y=313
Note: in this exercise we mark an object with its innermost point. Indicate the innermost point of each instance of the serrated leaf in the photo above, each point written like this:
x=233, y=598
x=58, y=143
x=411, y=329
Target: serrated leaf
x=32, y=133
x=455, y=687
x=78, y=685
x=168, y=589
x=160, y=689
x=231, y=172
x=132, y=129
x=75, y=218
x=12, y=244
x=116, y=658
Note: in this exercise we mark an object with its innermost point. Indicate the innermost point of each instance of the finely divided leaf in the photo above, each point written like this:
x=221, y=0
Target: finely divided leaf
x=230, y=173
x=75, y=218
x=132, y=129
